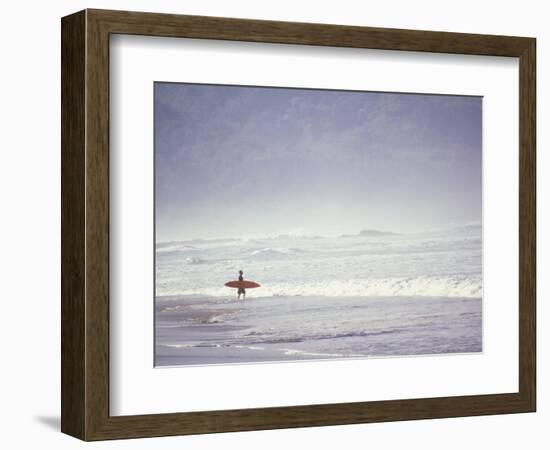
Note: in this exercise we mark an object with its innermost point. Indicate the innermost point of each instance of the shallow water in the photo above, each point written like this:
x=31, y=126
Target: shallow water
x=291, y=328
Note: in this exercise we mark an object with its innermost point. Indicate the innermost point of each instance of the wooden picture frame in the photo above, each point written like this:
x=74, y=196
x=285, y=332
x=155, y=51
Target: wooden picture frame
x=85, y=224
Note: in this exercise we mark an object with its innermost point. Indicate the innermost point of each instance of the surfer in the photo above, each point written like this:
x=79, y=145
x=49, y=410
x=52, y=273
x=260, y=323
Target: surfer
x=241, y=289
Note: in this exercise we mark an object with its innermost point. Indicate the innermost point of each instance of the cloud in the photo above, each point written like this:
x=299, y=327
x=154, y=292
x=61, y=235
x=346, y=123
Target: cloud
x=219, y=144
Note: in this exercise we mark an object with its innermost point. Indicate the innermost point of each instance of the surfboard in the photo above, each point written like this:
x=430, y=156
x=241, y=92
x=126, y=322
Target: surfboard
x=242, y=284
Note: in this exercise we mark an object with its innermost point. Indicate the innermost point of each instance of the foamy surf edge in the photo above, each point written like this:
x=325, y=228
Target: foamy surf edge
x=464, y=286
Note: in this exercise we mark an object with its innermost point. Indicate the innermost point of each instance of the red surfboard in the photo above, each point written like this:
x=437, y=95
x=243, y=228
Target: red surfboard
x=242, y=284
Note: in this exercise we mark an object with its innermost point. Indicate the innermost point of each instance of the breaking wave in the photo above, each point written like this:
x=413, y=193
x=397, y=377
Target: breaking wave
x=465, y=286
x=274, y=252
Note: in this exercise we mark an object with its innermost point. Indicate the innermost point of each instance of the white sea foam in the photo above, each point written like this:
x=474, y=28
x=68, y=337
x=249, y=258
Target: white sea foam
x=281, y=251
x=439, y=264
x=456, y=286
x=292, y=352
x=194, y=260
x=169, y=248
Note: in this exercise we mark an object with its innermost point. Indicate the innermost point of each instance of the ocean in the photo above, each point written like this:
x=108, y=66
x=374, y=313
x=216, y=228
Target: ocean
x=373, y=294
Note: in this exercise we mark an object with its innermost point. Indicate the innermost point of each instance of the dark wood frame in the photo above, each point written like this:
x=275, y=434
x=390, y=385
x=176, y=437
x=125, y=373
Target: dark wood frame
x=85, y=224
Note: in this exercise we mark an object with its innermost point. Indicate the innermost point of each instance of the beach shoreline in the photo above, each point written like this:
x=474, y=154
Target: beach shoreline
x=202, y=330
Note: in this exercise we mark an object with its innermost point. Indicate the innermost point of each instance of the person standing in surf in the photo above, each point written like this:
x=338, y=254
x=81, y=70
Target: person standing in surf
x=241, y=289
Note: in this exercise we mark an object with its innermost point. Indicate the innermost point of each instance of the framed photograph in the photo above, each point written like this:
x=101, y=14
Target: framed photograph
x=273, y=225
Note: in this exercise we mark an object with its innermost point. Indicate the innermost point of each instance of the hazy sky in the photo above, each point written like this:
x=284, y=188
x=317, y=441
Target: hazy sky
x=245, y=161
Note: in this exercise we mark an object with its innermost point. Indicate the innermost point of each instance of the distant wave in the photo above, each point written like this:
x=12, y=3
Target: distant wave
x=275, y=251
x=453, y=228
x=174, y=248
x=372, y=233
x=469, y=286
x=195, y=261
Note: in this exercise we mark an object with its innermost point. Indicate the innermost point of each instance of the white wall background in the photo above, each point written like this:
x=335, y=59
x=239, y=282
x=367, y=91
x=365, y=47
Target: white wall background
x=30, y=221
